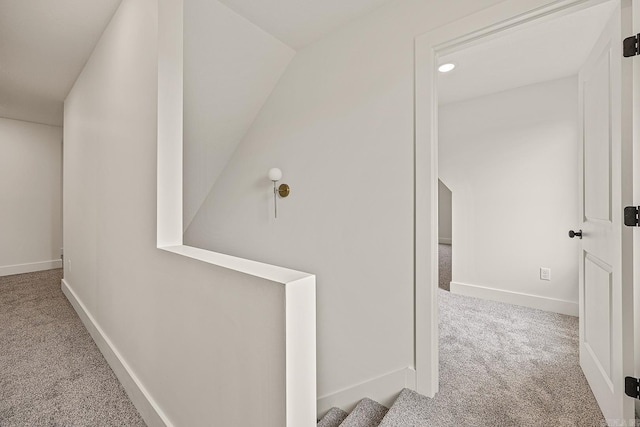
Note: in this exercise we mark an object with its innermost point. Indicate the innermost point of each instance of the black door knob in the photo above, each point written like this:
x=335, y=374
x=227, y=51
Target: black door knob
x=573, y=234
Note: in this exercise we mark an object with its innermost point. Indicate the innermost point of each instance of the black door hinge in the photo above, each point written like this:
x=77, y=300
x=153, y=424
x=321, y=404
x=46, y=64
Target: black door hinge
x=631, y=216
x=631, y=46
x=632, y=387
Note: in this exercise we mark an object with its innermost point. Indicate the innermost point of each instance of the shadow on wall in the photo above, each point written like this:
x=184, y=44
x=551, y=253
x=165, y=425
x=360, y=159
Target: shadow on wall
x=444, y=236
x=222, y=101
x=444, y=213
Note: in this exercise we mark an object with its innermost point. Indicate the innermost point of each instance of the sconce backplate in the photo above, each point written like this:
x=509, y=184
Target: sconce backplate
x=284, y=190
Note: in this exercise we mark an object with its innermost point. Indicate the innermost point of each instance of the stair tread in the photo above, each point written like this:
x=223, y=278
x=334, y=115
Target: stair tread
x=333, y=418
x=367, y=413
x=409, y=409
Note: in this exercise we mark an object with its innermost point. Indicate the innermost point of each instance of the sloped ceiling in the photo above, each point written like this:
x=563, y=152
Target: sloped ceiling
x=298, y=23
x=540, y=52
x=44, y=45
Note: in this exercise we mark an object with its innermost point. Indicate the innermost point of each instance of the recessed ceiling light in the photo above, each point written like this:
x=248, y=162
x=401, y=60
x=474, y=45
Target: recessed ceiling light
x=445, y=68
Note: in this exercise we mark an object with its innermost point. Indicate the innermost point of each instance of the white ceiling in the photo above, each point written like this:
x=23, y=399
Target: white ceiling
x=537, y=53
x=45, y=43
x=298, y=23
x=43, y=46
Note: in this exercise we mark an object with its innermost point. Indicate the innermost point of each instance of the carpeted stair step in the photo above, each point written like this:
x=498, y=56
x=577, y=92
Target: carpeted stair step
x=333, y=418
x=409, y=409
x=367, y=413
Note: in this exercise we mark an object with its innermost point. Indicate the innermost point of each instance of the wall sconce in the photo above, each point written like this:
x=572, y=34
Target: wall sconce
x=283, y=190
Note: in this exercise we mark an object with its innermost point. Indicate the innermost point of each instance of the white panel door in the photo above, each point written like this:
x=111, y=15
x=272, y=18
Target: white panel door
x=606, y=310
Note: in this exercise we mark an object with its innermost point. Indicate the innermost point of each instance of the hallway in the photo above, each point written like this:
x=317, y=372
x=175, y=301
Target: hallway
x=51, y=372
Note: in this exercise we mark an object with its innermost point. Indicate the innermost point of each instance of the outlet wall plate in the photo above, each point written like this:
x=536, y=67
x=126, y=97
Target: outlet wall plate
x=545, y=273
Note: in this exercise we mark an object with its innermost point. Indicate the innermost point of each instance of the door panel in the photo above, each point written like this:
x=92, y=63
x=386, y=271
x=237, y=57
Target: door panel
x=606, y=337
x=597, y=140
x=597, y=321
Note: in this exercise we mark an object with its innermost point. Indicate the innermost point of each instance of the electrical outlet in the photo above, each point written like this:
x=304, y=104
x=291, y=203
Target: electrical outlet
x=545, y=273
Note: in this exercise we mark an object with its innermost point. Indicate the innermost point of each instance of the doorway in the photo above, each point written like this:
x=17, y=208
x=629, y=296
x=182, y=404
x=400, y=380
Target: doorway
x=504, y=19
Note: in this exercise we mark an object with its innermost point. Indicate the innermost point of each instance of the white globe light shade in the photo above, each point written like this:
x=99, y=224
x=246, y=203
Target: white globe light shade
x=275, y=174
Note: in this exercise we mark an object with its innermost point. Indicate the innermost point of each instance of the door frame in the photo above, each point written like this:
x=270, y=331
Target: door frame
x=636, y=196
x=480, y=27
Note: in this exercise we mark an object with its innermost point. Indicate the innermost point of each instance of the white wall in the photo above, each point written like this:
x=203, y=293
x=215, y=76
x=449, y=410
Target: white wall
x=193, y=344
x=513, y=171
x=340, y=126
x=31, y=194
x=230, y=68
x=444, y=213
x=343, y=109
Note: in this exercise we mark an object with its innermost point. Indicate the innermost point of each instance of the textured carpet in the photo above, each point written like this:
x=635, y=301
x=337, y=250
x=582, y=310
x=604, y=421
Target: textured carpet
x=409, y=409
x=51, y=372
x=444, y=266
x=333, y=418
x=502, y=365
x=505, y=365
x=367, y=413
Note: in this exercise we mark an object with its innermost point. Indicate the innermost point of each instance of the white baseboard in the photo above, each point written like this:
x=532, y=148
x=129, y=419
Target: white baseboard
x=533, y=301
x=142, y=400
x=444, y=240
x=9, y=270
x=383, y=389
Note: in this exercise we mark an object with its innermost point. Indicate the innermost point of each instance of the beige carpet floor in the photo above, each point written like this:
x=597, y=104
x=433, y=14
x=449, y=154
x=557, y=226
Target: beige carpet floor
x=500, y=366
x=505, y=365
x=51, y=372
